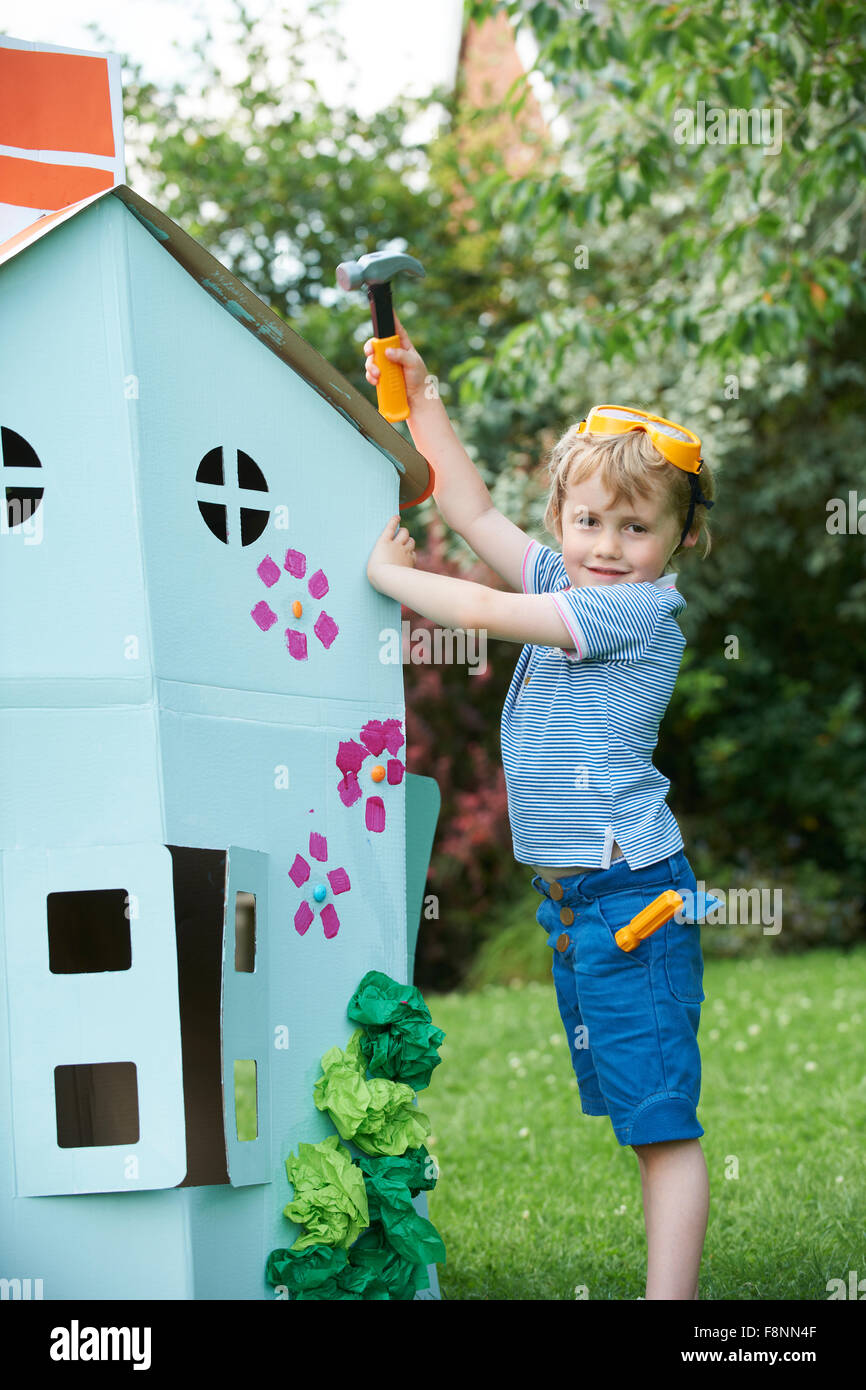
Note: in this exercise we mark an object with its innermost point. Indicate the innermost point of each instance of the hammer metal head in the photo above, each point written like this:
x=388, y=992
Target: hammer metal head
x=377, y=269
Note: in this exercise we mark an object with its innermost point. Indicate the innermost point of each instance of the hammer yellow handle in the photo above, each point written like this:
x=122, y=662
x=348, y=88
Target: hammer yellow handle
x=391, y=386
x=660, y=910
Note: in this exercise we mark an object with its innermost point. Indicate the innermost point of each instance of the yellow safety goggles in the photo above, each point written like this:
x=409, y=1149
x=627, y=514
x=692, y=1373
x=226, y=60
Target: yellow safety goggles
x=674, y=442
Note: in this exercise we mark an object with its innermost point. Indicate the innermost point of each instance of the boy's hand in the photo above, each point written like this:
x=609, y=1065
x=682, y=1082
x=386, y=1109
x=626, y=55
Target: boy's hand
x=414, y=371
x=391, y=549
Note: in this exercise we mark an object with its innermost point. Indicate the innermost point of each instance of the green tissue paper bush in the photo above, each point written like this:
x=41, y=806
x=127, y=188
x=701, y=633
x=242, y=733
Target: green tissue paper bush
x=364, y=1238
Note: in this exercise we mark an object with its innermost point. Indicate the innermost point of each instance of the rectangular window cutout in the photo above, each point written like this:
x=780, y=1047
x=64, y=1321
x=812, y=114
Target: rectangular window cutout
x=245, y=932
x=97, y=1104
x=88, y=931
x=246, y=1111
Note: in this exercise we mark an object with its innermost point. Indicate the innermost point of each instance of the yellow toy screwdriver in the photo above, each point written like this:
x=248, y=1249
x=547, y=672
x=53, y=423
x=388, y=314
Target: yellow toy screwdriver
x=661, y=910
x=375, y=272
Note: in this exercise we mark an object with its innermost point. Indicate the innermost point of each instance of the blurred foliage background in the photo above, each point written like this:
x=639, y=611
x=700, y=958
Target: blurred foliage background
x=720, y=283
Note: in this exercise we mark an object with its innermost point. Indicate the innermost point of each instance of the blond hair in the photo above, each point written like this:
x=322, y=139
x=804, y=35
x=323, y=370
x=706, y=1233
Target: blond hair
x=629, y=466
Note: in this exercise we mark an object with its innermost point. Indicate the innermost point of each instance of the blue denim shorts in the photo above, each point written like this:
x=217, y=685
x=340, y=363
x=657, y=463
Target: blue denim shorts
x=631, y=1017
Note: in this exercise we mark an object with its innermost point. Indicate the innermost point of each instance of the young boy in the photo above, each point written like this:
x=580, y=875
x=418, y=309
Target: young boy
x=601, y=651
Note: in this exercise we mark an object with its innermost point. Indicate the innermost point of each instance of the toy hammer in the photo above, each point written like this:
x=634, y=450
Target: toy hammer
x=376, y=271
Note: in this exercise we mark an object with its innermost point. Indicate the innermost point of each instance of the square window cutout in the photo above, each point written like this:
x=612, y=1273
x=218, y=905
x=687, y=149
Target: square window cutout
x=97, y=1104
x=88, y=931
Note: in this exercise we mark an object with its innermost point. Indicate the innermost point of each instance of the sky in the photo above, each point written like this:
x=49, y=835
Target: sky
x=394, y=46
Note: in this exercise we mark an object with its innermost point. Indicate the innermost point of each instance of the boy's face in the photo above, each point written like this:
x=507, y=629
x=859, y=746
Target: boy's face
x=603, y=544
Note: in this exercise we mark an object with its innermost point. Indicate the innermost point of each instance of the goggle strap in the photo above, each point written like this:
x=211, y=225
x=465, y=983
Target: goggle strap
x=697, y=499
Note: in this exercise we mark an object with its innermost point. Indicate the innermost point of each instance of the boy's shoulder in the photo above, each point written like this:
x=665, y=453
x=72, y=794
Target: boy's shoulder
x=543, y=569
x=667, y=594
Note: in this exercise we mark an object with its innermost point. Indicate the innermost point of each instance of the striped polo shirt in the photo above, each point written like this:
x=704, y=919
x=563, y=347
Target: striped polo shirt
x=579, y=726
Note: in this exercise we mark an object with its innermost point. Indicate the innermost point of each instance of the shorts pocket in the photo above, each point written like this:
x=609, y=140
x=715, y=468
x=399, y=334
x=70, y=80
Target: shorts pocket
x=617, y=910
x=684, y=962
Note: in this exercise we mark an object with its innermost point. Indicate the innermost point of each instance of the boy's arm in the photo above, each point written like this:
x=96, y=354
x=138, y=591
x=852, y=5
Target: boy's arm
x=462, y=496
x=459, y=603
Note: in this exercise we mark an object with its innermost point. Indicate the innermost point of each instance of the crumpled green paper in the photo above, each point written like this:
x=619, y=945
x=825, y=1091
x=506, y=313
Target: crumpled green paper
x=324, y=1272
x=379, y=1116
x=330, y=1196
x=374, y=1252
x=417, y=1169
x=391, y=1182
x=400, y=1041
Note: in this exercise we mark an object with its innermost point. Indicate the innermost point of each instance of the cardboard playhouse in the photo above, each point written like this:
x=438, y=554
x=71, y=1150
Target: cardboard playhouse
x=207, y=832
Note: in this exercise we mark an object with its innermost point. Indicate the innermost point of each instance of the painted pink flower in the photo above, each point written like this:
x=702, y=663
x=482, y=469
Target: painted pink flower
x=337, y=878
x=264, y=616
x=376, y=737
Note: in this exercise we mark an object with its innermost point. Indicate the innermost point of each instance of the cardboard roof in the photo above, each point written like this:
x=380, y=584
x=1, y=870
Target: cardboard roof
x=416, y=476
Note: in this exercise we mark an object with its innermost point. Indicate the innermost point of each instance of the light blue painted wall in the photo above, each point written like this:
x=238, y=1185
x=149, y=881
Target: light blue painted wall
x=122, y=372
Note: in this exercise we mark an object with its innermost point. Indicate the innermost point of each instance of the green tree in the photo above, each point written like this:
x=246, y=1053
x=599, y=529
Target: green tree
x=752, y=228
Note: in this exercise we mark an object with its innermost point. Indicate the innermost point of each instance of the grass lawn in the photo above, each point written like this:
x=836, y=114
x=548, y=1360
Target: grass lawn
x=535, y=1199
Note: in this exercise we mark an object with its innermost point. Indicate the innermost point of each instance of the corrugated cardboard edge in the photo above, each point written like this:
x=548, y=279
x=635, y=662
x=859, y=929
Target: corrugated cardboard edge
x=416, y=476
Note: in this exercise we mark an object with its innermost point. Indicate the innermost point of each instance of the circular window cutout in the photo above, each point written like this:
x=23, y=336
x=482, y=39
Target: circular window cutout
x=22, y=496
x=231, y=509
